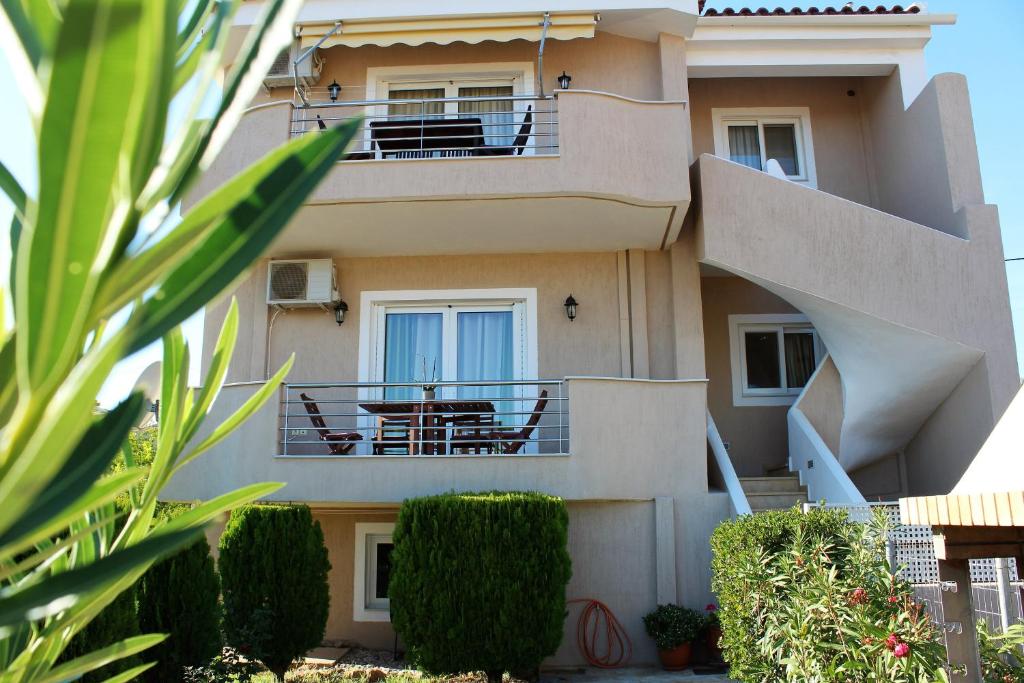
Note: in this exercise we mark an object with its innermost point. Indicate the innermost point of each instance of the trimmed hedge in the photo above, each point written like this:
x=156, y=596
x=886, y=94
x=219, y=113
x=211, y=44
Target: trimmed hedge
x=737, y=543
x=117, y=621
x=478, y=581
x=180, y=596
x=273, y=567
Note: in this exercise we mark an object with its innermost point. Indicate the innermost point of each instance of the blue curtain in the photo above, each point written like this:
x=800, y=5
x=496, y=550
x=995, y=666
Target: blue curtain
x=485, y=354
x=744, y=146
x=410, y=341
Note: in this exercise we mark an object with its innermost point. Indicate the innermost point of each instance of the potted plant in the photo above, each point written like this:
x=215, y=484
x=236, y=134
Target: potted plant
x=714, y=631
x=674, y=629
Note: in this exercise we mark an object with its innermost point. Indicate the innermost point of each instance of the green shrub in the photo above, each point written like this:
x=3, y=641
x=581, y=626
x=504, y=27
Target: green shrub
x=1001, y=658
x=478, y=581
x=180, y=596
x=117, y=621
x=811, y=598
x=672, y=625
x=273, y=567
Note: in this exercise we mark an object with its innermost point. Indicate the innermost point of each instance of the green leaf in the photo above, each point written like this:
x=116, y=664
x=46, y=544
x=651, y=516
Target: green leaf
x=45, y=551
x=130, y=674
x=98, y=75
x=8, y=381
x=215, y=375
x=204, y=512
x=94, y=660
x=252, y=404
x=12, y=188
x=90, y=458
x=246, y=231
x=63, y=591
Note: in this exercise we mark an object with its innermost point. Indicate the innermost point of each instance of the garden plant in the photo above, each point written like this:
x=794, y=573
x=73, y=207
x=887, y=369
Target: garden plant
x=478, y=581
x=273, y=566
x=810, y=597
x=102, y=267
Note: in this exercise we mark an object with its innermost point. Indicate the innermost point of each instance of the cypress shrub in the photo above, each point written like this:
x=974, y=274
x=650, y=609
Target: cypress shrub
x=180, y=596
x=742, y=544
x=273, y=567
x=478, y=581
x=117, y=621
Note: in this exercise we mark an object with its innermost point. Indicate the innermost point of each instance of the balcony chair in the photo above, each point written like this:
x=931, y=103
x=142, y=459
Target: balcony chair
x=339, y=443
x=506, y=441
x=518, y=145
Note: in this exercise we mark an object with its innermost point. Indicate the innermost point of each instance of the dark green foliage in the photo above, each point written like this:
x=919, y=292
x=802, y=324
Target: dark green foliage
x=119, y=620
x=180, y=596
x=672, y=625
x=478, y=581
x=735, y=545
x=273, y=567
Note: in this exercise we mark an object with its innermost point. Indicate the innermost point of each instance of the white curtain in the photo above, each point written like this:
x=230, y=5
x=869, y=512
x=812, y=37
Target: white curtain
x=426, y=110
x=744, y=147
x=412, y=346
x=496, y=116
x=485, y=354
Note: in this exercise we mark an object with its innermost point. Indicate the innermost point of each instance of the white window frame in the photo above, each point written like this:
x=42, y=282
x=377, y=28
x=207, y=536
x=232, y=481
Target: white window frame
x=365, y=575
x=381, y=79
x=742, y=395
x=800, y=117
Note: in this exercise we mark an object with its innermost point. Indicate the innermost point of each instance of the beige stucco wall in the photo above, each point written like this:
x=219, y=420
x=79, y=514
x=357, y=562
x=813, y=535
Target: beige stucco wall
x=841, y=161
x=822, y=404
x=756, y=435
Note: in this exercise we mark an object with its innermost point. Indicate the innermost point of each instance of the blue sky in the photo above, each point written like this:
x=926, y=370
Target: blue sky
x=986, y=44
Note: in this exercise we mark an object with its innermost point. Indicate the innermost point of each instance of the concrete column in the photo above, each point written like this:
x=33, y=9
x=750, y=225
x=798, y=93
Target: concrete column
x=674, y=80
x=625, y=334
x=638, y=313
x=961, y=644
x=665, y=549
x=687, y=308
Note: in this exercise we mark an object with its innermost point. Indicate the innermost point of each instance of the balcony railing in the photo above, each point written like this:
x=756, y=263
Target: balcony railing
x=446, y=127
x=528, y=417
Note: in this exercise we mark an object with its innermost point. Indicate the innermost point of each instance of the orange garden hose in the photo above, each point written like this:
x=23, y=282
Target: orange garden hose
x=595, y=619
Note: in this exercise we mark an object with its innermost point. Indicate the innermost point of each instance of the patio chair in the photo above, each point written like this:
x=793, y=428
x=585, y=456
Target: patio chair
x=506, y=441
x=339, y=443
x=518, y=145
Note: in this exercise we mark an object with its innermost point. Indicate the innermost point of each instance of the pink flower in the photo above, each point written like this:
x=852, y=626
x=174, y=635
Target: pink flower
x=711, y=607
x=858, y=597
x=893, y=599
x=892, y=641
x=901, y=650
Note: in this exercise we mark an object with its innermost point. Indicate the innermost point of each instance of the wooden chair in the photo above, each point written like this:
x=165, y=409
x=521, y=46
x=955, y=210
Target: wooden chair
x=339, y=443
x=518, y=145
x=506, y=441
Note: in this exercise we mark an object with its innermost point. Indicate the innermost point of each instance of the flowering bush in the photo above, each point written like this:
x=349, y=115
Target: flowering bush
x=1001, y=658
x=672, y=625
x=828, y=609
x=711, y=615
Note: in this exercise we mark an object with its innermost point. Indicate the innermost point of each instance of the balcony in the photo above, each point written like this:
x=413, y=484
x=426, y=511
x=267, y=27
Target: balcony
x=591, y=171
x=596, y=439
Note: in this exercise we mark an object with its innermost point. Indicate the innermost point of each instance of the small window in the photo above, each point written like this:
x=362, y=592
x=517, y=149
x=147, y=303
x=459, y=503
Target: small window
x=372, y=571
x=773, y=358
x=752, y=137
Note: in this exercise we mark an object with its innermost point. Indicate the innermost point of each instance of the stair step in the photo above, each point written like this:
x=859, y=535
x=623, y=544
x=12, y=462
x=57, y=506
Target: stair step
x=775, y=501
x=787, y=484
x=777, y=471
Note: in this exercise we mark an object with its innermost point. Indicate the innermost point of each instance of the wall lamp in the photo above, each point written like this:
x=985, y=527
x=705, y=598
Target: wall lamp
x=334, y=89
x=564, y=80
x=340, y=309
x=570, y=308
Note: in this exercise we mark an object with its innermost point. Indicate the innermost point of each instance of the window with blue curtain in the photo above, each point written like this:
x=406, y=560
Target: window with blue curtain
x=485, y=354
x=413, y=348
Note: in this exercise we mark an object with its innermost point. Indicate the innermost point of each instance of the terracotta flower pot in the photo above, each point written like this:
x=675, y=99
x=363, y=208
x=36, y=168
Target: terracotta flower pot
x=714, y=637
x=676, y=659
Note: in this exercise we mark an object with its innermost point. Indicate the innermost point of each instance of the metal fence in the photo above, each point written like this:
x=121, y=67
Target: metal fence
x=439, y=127
x=528, y=417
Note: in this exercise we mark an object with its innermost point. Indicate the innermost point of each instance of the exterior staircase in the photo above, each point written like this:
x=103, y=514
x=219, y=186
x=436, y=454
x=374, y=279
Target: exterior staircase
x=774, y=492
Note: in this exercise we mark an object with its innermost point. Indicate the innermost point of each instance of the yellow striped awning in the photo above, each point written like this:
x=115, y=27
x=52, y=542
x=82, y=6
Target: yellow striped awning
x=503, y=28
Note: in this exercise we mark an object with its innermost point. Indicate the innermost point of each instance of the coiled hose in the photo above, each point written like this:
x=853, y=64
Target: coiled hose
x=596, y=618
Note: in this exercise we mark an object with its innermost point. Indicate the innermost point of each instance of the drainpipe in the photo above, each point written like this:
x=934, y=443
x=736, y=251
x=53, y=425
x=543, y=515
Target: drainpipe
x=307, y=53
x=540, y=51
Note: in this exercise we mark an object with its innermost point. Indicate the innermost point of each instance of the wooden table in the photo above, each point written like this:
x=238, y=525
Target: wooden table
x=426, y=421
x=425, y=138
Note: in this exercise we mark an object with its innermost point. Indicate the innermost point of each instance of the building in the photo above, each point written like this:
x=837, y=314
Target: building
x=728, y=261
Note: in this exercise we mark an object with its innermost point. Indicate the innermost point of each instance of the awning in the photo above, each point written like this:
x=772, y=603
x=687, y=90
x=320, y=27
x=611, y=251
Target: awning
x=502, y=28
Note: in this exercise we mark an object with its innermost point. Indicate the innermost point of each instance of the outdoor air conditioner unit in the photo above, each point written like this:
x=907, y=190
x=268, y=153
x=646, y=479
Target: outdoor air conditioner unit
x=301, y=282
x=282, y=73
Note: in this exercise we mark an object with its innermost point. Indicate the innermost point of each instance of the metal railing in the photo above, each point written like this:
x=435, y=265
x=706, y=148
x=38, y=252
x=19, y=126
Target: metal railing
x=432, y=128
x=526, y=417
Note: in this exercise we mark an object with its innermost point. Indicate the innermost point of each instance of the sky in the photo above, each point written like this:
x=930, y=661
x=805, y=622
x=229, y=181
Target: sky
x=986, y=44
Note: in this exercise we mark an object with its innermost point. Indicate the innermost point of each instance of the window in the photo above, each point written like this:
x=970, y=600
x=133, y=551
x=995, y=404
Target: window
x=753, y=136
x=372, y=572
x=773, y=357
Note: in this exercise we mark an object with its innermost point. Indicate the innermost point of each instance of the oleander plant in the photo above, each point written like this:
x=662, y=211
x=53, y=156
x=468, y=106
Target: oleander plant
x=103, y=266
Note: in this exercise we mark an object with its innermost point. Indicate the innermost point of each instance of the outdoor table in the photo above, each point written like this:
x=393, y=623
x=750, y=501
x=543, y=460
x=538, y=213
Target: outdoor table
x=427, y=137
x=428, y=419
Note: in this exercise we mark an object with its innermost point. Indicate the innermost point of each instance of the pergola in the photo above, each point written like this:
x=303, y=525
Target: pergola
x=983, y=517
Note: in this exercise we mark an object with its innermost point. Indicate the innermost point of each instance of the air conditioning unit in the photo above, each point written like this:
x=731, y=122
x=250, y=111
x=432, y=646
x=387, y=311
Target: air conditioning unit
x=282, y=73
x=301, y=282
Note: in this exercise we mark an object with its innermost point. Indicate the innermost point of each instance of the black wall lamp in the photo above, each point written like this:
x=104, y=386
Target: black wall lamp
x=564, y=80
x=340, y=309
x=334, y=89
x=570, y=308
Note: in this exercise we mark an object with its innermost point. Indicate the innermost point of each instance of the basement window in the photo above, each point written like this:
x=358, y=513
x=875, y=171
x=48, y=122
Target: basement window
x=773, y=358
x=753, y=136
x=372, y=572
